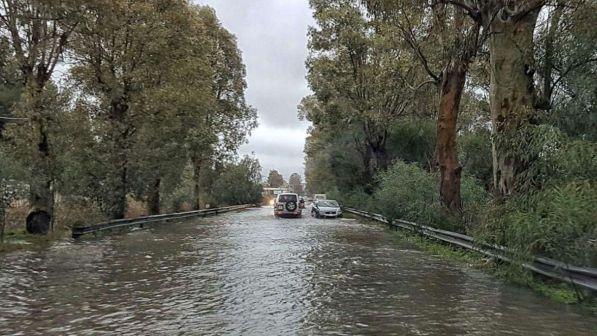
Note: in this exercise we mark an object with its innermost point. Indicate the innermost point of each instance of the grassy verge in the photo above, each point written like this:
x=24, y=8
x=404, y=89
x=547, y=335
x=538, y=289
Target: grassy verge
x=16, y=240
x=556, y=291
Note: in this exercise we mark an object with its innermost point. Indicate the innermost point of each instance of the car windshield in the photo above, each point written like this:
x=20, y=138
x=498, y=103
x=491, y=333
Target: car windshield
x=328, y=203
x=287, y=198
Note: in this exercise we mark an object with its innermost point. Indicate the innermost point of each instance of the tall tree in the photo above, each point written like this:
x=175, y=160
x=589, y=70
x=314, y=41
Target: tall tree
x=228, y=119
x=450, y=45
x=115, y=50
x=175, y=96
x=355, y=75
x=275, y=179
x=510, y=26
x=295, y=182
x=38, y=32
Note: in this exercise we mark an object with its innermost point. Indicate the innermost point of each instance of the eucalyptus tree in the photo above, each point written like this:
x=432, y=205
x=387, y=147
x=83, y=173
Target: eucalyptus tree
x=114, y=49
x=510, y=27
x=11, y=84
x=515, y=100
x=357, y=76
x=444, y=42
x=175, y=98
x=567, y=65
x=38, y=33
x=228, y=119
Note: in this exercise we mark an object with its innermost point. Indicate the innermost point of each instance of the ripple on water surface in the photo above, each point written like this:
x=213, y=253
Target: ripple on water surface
x=248, y=273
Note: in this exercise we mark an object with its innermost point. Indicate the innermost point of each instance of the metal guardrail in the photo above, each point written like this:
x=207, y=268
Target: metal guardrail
x=585, y=277
x=140, y=221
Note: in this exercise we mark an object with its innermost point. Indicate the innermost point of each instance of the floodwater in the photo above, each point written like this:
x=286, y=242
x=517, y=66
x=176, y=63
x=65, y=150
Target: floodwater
x=248, y=273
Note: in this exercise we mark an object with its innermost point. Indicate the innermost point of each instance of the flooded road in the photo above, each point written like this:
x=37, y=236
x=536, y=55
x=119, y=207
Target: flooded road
x=248, y=273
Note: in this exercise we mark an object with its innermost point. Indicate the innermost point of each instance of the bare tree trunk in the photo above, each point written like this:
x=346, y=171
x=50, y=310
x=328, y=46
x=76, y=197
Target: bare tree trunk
x=196, y=183
x=548, y=62
x=451, y=89
x=154, y=197
x=2, y=222
x=512, y=92
x=381, y=159
x=368, y=168
x=39, y=218
x=120, y=137
x=119, y=201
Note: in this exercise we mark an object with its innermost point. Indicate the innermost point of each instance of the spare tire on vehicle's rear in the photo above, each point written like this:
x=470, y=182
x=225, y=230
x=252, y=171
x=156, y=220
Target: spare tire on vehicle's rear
x=291, y=206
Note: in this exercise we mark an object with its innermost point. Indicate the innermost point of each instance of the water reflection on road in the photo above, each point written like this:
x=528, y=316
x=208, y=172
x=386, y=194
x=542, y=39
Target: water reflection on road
x=248, y=273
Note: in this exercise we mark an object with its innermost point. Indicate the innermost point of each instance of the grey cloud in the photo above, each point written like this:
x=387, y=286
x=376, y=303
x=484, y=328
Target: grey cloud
x=272, y=36
x=278, y=148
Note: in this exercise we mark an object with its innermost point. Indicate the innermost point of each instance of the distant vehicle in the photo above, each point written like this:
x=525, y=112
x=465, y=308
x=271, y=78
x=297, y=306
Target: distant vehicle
x=326, y=209
x=287, y=205
x=318, y=197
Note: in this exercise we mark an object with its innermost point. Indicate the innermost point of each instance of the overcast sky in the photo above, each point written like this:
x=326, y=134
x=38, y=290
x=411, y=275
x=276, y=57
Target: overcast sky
x=272, y=35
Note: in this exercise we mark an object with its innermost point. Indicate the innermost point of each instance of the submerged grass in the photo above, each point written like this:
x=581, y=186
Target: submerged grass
x=16, y=240
x=556, y=291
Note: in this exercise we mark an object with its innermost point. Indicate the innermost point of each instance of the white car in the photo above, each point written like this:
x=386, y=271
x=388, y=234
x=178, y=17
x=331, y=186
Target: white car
x=319, y=197
x=288, y=205
x=326, y=209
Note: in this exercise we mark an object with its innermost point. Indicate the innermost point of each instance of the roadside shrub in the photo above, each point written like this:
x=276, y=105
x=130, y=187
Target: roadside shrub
x=474, y=149
x=577, y=160
x=555, y=159
x=413, y=141
x=474, y=201
x=407, y=191
x=559, y=222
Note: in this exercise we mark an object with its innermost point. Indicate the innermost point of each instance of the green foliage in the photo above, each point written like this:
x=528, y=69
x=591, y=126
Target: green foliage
x=334, y=162
x=413, y=141
x=295, y=182
x=474, y=152
x=239, y=183
x=576, y=160
x=554, y=158
x=559, y=222
x=275, y=179
x=181, y=196
x=408, y=192
x=152, y=86
x=10, y=83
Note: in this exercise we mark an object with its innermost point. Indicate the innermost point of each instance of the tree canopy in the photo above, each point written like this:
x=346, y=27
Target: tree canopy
x=275, y=179
x=151, y=102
